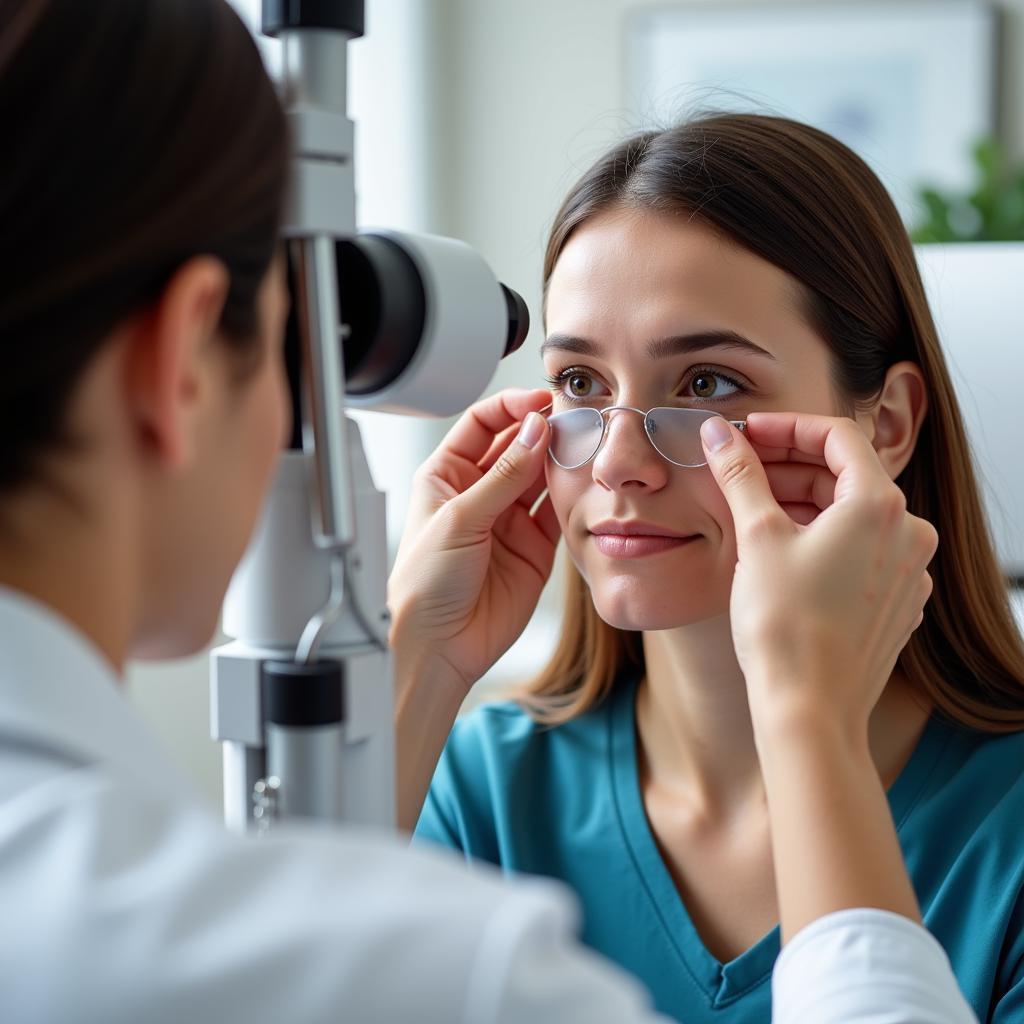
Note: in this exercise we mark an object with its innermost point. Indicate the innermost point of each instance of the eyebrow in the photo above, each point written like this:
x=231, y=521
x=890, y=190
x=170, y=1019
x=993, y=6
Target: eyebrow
x=660, y=348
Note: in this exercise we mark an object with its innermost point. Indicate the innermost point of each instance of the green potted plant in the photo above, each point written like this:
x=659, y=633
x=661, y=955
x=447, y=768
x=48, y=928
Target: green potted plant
x=991, y=211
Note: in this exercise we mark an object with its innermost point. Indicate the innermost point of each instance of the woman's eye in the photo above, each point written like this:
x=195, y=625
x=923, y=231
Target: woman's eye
x=577, y=385
x=707, y=384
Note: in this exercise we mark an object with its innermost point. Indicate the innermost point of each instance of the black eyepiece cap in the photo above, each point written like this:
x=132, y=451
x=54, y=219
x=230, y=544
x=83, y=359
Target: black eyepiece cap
x=518, y=320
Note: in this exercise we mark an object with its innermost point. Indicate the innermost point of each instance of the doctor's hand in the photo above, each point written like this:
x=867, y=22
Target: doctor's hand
x=474, y=558
x=831, y=578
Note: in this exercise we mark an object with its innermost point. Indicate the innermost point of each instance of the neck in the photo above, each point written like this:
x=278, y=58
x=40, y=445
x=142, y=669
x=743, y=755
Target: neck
x=694, y=727
x=53, y=549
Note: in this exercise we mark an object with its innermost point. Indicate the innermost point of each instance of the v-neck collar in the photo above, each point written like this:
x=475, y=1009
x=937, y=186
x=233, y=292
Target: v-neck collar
x=721, y=983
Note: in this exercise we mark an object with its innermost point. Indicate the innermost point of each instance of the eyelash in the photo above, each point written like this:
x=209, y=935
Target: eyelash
x=556, y=380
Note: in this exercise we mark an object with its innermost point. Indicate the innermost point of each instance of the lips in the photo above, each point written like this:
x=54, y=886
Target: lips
x=636, y=539
x=635, y=528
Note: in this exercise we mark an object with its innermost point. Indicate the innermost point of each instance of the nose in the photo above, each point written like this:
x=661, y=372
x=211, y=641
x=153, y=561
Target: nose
x=627, y=459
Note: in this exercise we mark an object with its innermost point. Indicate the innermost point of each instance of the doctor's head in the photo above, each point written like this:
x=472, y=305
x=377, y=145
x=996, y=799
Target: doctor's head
x=141, y=313
x=735, y=263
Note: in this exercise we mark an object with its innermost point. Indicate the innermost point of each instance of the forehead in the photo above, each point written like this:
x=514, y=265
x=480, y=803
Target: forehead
x=632, y=275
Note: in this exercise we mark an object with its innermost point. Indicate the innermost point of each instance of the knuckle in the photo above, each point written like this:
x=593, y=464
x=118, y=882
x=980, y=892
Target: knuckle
x=452, y=517
x=929, y=539
x=735, y=471
x=506, y=467
x=921, y=539
x=892, y=503
x=424, y=472
x=885, y=505
x=763, y=525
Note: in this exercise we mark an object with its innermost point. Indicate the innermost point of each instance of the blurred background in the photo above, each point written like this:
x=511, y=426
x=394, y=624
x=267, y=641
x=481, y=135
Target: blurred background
x=473, y=118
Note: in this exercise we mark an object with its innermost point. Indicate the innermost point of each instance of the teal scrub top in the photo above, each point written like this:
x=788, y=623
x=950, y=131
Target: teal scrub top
x=565, y=802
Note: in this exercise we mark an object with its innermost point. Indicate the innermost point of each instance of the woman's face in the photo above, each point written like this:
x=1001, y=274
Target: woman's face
x=730, y=336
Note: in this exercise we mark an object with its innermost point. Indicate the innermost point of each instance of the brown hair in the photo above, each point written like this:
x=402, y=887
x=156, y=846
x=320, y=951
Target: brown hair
x=806, y=203
x=136, y=134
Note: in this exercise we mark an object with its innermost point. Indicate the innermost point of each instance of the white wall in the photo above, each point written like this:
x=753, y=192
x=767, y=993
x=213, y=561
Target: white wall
x=474, y=118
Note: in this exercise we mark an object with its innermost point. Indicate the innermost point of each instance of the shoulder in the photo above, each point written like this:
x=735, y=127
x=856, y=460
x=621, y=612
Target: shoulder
x=969, y=783
x=985, y=766
x=967, y=805
x=505, y=733
x=321, y=900
x=501, y=768
x=962, y=845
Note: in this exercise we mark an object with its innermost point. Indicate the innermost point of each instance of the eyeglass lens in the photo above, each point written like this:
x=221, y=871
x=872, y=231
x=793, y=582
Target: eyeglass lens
x=675, y=433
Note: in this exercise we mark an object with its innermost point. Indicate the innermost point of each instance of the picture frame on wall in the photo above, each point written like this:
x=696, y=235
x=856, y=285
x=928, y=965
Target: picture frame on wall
x=911, y=85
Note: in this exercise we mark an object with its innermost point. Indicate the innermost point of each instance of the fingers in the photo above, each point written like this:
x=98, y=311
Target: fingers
x=498, y=447
x=801, y=483
x=839, y=441
x=741, y=477
x=801, y=514
x=473, y=435
x=515, y=474
x=768, y=454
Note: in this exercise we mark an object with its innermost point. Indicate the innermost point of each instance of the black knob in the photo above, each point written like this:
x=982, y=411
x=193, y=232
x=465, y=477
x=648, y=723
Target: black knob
x=342, y=15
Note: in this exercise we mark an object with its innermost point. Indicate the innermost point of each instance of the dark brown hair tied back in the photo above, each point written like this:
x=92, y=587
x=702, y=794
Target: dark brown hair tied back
x=136, y=135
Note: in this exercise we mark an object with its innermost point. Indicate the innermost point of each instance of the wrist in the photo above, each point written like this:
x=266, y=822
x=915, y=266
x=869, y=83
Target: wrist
x=419, y=668
x=423, y=673
x=803, y=727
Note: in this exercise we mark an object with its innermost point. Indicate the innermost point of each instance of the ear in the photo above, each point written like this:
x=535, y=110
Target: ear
x=894, y=422
x=168, y=360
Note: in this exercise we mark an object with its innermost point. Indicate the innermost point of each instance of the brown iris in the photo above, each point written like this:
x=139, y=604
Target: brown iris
x=579, y=385
x=704, y=385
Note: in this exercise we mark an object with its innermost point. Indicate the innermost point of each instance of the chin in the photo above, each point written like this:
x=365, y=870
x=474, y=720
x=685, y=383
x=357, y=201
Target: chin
x=632, y=604
x=648, y=620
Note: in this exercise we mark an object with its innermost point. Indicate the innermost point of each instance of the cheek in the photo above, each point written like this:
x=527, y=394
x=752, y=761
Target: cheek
x=565, y=488
x=716, y=510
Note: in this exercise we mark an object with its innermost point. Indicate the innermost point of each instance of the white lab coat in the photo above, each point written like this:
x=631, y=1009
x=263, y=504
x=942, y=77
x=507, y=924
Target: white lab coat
x=123, y=899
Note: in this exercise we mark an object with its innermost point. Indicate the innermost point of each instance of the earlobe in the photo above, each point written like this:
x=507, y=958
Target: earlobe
x=896, y=418
x=168, y=361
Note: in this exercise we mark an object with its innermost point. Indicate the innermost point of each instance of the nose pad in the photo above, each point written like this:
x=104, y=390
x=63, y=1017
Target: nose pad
x=627, y=455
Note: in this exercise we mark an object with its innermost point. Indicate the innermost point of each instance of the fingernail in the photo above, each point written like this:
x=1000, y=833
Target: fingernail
x=715, y=433
x=531, y=430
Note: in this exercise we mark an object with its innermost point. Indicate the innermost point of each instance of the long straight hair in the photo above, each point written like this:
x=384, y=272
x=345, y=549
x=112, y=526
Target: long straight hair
x=802, y=200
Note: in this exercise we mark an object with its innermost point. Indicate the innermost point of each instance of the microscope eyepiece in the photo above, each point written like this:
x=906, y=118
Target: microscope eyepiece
x=518, y=320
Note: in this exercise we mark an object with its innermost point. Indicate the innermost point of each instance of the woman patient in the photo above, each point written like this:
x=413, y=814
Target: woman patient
x=738, y=265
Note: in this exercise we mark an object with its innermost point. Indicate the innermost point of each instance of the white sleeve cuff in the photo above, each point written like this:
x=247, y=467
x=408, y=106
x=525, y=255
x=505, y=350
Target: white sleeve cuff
x=866, y=967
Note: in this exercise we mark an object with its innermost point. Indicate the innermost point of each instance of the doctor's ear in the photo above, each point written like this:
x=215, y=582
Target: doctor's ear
x=170, y=362
x=893, y=423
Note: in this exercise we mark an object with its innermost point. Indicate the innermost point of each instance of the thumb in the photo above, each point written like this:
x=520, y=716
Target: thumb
x=515, y=471
x=739, y=474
